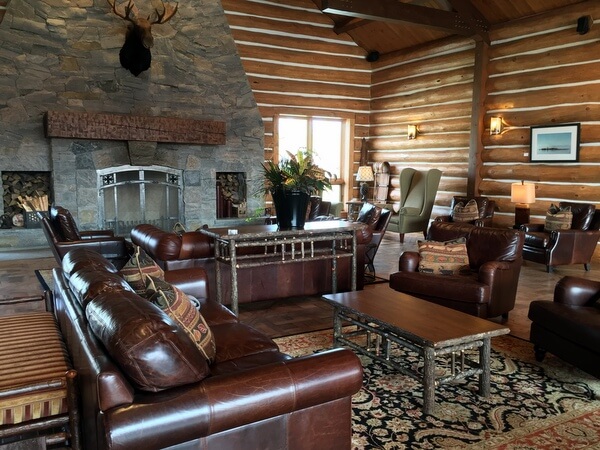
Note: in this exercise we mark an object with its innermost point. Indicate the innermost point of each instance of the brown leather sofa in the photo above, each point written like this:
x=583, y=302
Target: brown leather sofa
x=563, y=247
x=487, y=289
x=251, y=396
x=192, y=249
x=63, y=235
x=569, y=326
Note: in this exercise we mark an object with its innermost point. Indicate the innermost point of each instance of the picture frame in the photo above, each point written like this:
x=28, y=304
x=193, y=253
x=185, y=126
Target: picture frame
x=555, y=143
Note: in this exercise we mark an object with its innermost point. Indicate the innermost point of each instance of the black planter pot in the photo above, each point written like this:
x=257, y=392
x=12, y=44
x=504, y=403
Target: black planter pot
x=290, y=208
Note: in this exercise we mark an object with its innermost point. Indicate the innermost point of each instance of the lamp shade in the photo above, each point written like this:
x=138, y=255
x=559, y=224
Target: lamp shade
x=365, y=173
x=522, y=193
x=495, y=125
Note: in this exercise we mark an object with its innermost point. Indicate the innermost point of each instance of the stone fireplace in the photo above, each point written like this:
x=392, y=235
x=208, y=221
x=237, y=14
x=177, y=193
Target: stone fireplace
x=65, y=59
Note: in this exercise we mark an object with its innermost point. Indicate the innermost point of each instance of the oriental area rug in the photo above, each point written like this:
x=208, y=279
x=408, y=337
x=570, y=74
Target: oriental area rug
x=548, y=406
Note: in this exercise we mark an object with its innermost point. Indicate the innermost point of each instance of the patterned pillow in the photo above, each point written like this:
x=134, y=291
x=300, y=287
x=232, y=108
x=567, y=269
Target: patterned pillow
x=465, y=213
x=140, y=264
x=184, y=312
x=558, y=218
x=443, y=258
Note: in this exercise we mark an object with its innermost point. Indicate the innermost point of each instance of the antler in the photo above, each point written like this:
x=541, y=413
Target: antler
x=128, y=10
x=168, y=12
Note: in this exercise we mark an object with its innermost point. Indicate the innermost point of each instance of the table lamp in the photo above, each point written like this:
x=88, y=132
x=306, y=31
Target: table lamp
x=364, y=174
x=523, y=194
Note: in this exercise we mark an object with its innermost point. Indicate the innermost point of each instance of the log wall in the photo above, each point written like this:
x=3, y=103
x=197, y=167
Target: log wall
x=542, y=72
x=296, y=64
x=431, y=87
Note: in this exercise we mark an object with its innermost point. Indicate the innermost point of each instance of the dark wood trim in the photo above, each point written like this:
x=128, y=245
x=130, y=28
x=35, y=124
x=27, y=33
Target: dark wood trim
x=121, y=127
x=480, y=76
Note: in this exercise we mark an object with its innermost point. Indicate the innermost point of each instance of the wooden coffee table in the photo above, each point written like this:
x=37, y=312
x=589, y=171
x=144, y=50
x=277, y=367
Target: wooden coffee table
x=432, y=331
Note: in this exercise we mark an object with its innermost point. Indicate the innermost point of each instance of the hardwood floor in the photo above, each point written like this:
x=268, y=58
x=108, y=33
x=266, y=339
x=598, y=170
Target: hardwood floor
x=21, y=291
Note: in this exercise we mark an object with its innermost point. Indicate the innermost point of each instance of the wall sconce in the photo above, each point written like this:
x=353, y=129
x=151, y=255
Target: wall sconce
x=364, y=174
x=523, y=194
x=495, y=125
x=411, y=132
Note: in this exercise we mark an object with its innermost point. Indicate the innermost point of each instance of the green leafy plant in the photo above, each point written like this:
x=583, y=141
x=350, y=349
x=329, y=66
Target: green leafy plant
x=296, y=173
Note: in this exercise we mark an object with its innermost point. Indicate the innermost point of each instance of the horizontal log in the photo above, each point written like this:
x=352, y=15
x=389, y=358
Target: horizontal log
x=543, y=172
x=541, y=42
x=121, y=127
x=578, y=193
x=305, y=73
x=308, y=102
x=588, y=73
x=453, y=44
x=434, y=126
x=459, y=75
x=439, y=158
x=422, y=114
x=545, y=97
x=294, y=57
x=522, y=136
x=430, y=141
x=442, y=94
x=551, y=58
x=272, y=111
x=587, y=154
x=420, y=67
x=554, y=115
x=275, y=11
x=306, y=87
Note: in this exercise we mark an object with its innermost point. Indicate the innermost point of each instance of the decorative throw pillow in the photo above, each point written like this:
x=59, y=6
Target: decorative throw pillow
x=139, y=265
x=443, y=258
x=184, y=312
x=465, y=213
x=558, y=218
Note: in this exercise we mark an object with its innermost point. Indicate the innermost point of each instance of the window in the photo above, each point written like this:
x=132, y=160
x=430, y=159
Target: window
x=325, y=136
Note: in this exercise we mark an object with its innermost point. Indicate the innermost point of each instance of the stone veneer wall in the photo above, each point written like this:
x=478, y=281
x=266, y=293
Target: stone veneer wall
x=64, y=55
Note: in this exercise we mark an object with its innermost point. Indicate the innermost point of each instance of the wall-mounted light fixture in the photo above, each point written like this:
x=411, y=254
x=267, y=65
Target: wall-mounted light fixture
x=523, y=194
x=411, y=132
x=495, y=125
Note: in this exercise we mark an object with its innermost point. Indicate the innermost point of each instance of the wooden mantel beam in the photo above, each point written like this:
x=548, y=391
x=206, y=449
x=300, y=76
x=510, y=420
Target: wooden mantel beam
x=122, y=127
x=395, y=11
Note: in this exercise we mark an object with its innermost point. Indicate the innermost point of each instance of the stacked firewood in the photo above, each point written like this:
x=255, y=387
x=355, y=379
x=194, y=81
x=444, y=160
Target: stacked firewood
x=38, y=203
x=22, y=187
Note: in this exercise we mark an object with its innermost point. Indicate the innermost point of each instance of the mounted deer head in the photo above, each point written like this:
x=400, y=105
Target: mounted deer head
x=135, y=54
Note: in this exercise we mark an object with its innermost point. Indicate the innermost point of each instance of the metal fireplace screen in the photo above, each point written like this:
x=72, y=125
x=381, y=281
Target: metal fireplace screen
x=131, y=195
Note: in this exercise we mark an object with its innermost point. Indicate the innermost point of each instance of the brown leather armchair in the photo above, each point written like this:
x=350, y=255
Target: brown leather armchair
x=569, y=326
x=377, y=219
x=487, y=289
x=485, y=207
x=563, y=247
x=63, y=235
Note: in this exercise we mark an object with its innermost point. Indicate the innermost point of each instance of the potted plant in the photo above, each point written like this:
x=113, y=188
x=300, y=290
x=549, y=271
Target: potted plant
x=291, y=182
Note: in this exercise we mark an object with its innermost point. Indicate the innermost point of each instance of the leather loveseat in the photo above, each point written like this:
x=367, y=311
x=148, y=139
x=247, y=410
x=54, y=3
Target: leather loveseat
x=569, y=325
x=142, y=386
x=193, y=249
x=488, y=286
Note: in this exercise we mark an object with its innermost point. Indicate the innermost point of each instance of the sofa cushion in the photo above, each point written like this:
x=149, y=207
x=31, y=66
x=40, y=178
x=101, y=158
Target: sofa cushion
x=81, y=257
x=185, y=311
x=238, y=340
x=151, y=349
x=138, y=266
x=493, y=244
x=443, y=258
x=558, y=218
x=89, y=282
x=465, y=213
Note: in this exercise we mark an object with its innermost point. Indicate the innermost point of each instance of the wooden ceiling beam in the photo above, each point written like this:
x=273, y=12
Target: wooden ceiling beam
x=351, y=23
x=473, y=16
x=397, y=12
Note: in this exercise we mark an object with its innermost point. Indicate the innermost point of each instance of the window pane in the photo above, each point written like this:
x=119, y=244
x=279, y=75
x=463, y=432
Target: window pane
x=293, y=135
x=327, y=144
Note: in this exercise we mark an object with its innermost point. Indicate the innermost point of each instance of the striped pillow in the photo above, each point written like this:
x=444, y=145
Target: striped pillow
x=184, y=312
x=558, y=218
x=465, y=213
x=138, y=266
x=443, y=258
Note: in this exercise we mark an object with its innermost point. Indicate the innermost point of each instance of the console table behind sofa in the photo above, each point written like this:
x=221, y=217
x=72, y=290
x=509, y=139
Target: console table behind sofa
x=193, y=249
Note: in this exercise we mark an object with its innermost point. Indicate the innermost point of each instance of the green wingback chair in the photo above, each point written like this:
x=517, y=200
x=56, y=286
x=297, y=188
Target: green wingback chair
x=417, y=195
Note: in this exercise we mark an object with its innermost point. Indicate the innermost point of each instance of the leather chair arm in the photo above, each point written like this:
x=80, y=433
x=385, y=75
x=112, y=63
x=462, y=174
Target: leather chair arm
x=95, y=234
x=532, y=227
x=225, y=402
x=502, y=277
x=576, y=291
x=443, y=219
x=105, y=246
x=192, y=281
x=409, y=262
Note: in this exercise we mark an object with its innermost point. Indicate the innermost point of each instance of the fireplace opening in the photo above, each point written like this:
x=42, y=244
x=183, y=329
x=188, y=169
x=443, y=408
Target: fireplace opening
x=231, y=194
x=25, y=191
x=133, y=195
